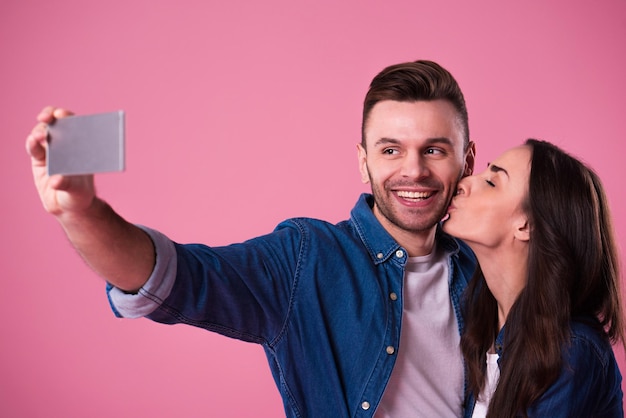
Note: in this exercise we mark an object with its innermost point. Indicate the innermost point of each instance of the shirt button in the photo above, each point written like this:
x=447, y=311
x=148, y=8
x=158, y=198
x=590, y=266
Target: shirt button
x=379, y=255
x=399, y=253
x=393, y=296
x=390, y=350
x=365, y=405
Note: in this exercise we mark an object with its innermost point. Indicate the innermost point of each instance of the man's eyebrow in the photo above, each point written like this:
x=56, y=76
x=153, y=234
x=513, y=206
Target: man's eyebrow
x=430, y=141
x=497, y=169
x=440, y=140
x=385, y=141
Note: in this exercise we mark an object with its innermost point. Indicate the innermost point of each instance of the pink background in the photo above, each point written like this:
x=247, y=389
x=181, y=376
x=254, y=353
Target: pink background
x=240, y=114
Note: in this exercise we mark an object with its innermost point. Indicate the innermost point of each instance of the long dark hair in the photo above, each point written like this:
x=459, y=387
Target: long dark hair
x=573, y=271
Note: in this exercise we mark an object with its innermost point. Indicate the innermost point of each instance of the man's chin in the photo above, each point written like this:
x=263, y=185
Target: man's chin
x=420, y=226
x=408, y=219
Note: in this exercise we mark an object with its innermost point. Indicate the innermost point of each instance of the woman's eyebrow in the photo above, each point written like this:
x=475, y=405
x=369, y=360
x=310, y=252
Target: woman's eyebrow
x=497, y=169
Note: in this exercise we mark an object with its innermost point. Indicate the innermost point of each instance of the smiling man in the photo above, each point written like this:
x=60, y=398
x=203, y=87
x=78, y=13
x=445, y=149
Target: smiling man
x=415, y=147
x=417, y=153
x=357, y=319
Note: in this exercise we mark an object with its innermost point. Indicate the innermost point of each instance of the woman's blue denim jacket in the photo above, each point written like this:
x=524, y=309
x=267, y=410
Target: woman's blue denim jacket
x=325, y=301
x=590, y=384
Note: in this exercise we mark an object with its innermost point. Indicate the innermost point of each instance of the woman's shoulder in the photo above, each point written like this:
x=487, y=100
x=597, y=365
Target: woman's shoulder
x=589, y=343
x=589, y=368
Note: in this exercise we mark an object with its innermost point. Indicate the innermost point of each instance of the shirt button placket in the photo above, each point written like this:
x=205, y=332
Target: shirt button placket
x=393, y=296
x=365, y=405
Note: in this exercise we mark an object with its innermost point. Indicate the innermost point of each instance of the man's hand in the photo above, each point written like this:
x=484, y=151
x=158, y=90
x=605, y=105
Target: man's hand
x=117, y=250
x=59, y=194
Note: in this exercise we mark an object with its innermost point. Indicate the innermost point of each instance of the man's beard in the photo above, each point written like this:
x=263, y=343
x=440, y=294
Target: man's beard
x=411, y=219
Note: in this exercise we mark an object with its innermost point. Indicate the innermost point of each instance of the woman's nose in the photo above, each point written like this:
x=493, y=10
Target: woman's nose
x=464, y=185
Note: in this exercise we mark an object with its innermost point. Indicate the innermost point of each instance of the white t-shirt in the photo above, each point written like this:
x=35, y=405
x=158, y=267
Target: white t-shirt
x=493, y=374
x=427, y=379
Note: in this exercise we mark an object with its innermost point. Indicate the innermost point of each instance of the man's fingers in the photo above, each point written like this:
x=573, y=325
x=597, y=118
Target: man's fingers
x=46, y=115
x=61, y=113
x=50, y=113
x=36, y=142
x=36, y=146
x=40, y=130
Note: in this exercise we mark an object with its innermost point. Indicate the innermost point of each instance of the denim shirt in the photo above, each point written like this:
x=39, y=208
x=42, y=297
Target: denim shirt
x=324, y=301
x=590, y=383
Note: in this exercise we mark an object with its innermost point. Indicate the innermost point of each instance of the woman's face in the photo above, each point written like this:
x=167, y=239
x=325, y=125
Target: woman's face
x=487, y=210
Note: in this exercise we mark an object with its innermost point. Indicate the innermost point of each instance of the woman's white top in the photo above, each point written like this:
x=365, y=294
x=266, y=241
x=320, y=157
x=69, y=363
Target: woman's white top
x=493, y=374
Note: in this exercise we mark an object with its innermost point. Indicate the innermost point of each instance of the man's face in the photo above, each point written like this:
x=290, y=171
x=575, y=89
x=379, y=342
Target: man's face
x=414, y=159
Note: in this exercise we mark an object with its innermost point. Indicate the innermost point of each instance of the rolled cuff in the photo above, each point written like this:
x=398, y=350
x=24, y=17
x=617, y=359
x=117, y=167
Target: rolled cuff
x=156, y=289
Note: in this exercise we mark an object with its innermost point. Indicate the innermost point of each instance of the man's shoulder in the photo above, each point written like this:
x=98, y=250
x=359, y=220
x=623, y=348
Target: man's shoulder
x=361, y=218
x=455, y=246
x=313, y=223
x=314, y=229
x=465, y=251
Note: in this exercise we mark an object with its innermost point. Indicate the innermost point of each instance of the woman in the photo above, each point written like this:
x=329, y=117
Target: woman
x=544, y=305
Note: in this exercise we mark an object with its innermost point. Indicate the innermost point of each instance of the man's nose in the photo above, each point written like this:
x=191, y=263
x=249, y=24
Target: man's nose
x=414, y=166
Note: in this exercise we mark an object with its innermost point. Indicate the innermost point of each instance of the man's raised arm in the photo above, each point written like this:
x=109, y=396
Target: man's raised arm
x=117, y=250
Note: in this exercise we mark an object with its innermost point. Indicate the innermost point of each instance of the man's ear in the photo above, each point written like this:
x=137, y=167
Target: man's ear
x=362, y=156
x=470, y=157
x=522, y=230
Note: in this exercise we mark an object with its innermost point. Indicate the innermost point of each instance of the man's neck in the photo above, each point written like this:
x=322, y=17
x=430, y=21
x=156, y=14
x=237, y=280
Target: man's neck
x=417, y=243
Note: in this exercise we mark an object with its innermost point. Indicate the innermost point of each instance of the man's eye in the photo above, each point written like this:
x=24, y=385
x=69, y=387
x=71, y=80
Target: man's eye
x=489, y=182
x=434, y=151
x=390, y=151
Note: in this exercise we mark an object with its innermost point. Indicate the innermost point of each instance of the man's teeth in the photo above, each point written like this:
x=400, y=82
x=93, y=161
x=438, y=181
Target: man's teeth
x=413, y=195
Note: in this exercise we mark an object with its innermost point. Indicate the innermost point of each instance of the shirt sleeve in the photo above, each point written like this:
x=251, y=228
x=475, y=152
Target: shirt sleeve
x=156, y=289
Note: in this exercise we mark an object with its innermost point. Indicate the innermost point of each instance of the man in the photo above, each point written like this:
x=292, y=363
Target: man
x=357, y=319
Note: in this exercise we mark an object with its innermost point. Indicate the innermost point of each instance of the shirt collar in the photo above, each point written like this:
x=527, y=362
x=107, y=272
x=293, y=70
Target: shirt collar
x=379, y=243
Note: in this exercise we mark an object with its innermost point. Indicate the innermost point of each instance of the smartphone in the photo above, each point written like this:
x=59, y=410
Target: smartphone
x=86, y=144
